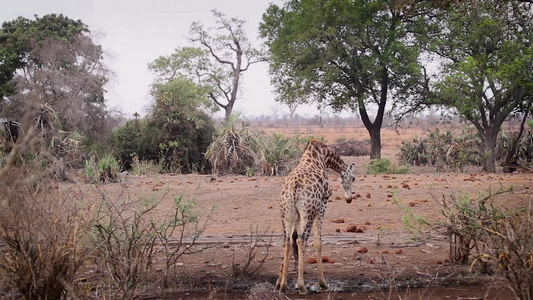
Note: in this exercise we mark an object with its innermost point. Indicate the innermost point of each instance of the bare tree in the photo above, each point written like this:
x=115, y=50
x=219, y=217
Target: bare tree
x=233, y=53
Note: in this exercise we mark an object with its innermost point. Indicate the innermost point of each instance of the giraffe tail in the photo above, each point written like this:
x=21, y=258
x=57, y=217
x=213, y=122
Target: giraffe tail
x=295, y=245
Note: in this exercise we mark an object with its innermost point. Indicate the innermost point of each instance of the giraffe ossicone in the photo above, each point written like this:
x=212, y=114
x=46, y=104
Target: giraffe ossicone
x=303, y=203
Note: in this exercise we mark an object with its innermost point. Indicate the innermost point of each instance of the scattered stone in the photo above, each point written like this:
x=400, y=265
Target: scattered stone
x=362, y=250
x=351, y=228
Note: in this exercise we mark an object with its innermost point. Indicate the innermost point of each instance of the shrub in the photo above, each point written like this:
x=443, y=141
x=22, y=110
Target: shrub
x=144, y=167
x=502, y=238
x=304, y=139
x=42, y=230
x=352, y=148
x=127, y=232
x=442, y=149
x=230, y=151
x=175, y=143
x=275, y=154
x=251, y=262
x=104, y=169
x=340, y=139
x=383, y=165
x=523, y=157
x=414, y=152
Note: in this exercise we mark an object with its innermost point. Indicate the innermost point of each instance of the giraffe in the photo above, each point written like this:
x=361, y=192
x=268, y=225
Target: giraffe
x=303, y=203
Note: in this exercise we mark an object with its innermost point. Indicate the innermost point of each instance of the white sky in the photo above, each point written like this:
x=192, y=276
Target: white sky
x=136, y=32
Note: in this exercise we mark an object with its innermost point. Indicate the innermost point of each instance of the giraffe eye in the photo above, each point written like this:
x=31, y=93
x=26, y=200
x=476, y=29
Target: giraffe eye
x=353, y=179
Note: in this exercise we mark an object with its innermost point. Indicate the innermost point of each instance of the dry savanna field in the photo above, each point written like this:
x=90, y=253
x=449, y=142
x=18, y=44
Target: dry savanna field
x=375, y=247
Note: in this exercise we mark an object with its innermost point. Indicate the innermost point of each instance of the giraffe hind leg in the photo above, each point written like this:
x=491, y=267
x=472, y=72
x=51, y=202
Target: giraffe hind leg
x=318, y=251
x=301, y=283
x=294, y=237
x=281, y=283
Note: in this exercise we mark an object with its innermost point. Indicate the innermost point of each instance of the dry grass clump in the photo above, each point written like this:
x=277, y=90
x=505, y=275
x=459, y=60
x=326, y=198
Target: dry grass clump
x=265, y=291
x=42, y=230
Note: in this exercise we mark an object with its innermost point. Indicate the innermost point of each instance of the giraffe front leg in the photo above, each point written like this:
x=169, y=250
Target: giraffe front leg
x=301, y=282
x=281, y=283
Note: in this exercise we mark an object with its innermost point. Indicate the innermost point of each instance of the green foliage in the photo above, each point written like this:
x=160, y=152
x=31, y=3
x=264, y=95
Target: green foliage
x=413, y=223
x=340, y=139
x=275, y=154
x=104, y=169
x=231, y=150
x=442, y=149
x=216, y=65
x=52, y=63
x=237, y=150
x=383, y=165
x=304, y=139
x=347, y=54
x=485, y=79
x=176, y=133
x=17, y=38
x=144, y=167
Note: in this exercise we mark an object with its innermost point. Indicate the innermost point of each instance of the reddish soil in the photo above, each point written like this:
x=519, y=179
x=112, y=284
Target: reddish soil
x=417, y=269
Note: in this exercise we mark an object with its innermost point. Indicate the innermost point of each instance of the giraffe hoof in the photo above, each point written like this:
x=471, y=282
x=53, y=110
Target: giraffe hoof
x=281, y=288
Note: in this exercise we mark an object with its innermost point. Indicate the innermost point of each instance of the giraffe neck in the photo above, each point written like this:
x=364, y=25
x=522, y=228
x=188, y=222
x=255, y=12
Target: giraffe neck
x=334, y=162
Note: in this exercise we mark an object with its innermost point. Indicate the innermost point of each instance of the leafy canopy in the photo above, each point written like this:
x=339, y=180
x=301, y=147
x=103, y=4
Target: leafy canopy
x=18, y=37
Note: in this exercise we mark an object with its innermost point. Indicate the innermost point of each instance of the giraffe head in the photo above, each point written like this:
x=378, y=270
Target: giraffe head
x=347, y=178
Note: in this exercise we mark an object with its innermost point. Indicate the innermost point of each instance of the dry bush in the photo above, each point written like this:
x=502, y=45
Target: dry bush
x=502, y=238
x=129, y=235
x=352, y=148
x=253, y=260
x=177, y=233
x=265, y=291
x=42, y=230
x=125, y=244
x=509, y=249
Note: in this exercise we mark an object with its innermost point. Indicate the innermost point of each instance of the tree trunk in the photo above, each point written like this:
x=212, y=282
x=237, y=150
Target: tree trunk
x=511, y=155
x=487, y=149
x=375, y=142
x=228, y=113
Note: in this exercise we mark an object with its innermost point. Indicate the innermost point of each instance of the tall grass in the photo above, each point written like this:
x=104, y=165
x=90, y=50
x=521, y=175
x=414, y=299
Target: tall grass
x=275, y=154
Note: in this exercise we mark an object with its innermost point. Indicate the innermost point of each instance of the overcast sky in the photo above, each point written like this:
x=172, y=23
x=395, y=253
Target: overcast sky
x=136, y=32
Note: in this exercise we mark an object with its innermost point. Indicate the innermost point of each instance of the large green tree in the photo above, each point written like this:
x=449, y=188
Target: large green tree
x=18, y=38
x=487, y=57
x=356, y=54
x=52, y=64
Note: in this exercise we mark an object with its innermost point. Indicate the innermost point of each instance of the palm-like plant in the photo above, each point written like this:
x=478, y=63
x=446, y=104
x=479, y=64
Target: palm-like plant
x=230, y=151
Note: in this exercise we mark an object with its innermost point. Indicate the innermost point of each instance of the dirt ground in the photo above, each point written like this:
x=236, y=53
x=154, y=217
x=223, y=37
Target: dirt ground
x=363, y=264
